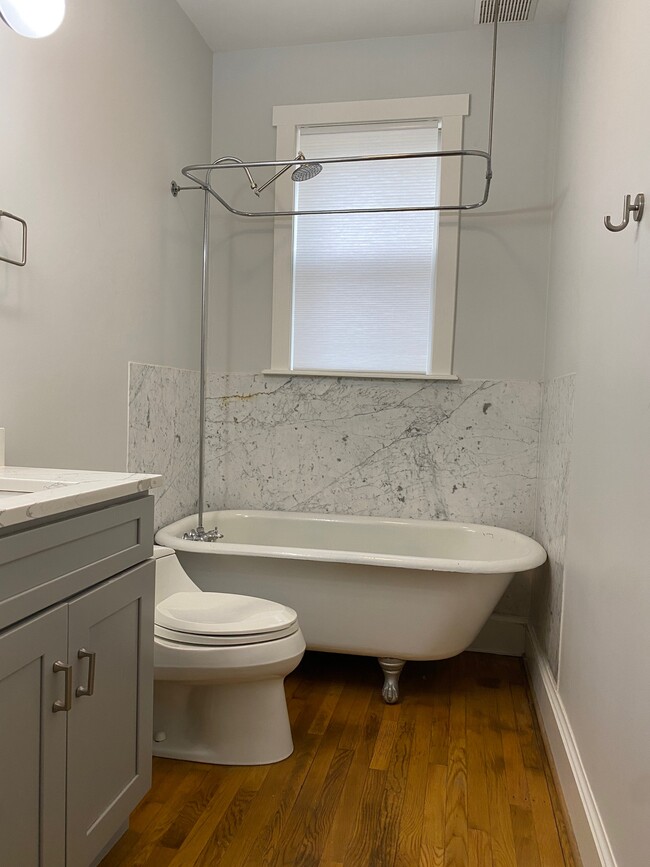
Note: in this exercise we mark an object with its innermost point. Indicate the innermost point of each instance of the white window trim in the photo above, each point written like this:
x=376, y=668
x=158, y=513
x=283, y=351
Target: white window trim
x=288, y=119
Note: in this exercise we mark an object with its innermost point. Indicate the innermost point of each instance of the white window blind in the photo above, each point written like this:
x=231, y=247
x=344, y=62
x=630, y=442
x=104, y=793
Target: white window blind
x=363, y=285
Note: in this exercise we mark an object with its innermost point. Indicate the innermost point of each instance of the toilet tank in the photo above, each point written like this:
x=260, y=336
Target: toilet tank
x=170, y=575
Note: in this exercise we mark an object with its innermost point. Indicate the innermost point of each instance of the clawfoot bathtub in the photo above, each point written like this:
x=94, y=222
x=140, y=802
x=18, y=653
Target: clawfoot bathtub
x=397, y=589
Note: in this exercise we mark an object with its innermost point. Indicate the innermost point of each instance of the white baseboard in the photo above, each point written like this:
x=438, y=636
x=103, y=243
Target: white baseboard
x=503, y=634
x=591, y=837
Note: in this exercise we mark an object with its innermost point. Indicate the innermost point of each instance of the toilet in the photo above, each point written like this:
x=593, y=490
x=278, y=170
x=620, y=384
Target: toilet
x=220, y=660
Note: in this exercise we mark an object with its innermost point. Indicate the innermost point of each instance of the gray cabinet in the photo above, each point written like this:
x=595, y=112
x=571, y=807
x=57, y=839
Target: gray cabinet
x=75, y=710
x=110, y=722
x=32, y=742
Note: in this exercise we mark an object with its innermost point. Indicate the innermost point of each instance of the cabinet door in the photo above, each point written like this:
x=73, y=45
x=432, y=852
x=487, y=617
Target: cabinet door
x=33, y=742
x=109, y=730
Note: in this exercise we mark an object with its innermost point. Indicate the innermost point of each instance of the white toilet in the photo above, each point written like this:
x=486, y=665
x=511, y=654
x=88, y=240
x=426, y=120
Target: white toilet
x=219, y=666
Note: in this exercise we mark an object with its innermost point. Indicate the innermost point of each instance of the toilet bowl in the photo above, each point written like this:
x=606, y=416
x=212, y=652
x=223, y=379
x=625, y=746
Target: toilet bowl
x=219, y=666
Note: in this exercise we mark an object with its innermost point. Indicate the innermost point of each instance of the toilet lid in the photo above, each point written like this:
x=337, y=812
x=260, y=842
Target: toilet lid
x=225, y=615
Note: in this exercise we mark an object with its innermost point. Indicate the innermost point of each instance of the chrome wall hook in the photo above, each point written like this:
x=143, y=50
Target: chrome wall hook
x=635, y=209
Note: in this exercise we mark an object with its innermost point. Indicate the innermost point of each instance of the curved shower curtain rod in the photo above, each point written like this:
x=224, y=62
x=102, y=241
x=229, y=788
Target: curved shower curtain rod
x=200, y=534
x=204, y=183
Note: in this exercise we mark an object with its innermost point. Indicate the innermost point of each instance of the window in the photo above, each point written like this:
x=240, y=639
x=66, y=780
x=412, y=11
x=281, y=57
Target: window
x=368, y=294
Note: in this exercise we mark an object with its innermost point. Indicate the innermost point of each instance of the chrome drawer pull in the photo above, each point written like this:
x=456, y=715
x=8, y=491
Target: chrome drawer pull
x=66, y=704
x=90, y=656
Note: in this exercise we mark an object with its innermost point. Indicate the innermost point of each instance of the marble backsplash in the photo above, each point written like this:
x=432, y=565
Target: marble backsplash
x=457, y=451
x=552, y=512
x=462, y=451
x=163, y=433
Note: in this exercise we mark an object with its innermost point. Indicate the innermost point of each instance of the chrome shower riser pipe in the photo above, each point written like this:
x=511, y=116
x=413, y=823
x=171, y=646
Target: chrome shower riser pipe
x=203, y=360
x=200, y=534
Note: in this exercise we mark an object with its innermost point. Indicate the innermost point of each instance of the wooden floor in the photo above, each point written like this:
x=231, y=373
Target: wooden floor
x=455, y=775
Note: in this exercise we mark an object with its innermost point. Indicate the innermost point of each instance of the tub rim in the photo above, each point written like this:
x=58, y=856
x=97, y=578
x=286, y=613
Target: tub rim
x=533, y=556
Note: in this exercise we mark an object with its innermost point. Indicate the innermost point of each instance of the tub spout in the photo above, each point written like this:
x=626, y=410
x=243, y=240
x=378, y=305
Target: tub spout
x=392, y=669
x=201, y=535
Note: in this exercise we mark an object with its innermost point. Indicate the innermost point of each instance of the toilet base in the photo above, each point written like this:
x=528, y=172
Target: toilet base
x=222, y=724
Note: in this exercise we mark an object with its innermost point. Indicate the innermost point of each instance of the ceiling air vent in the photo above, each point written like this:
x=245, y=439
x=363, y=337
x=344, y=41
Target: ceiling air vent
x=509, y=10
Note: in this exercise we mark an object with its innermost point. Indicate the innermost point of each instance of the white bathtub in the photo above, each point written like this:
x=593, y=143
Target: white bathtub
x=392, y=588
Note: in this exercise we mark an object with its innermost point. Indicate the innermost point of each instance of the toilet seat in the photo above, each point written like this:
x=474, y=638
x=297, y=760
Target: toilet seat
x=218, y=619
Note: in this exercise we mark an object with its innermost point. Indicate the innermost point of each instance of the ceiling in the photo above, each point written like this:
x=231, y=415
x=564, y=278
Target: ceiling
x=229, y=25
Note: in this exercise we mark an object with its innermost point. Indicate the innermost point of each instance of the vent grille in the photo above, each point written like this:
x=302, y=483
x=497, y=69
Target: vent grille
x=509, y=10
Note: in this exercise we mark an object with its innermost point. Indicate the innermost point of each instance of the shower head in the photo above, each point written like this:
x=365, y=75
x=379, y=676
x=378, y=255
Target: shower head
x=303, y=172
x=307, y=171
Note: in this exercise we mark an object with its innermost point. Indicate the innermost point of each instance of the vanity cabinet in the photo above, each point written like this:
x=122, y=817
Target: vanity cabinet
x=76, y=683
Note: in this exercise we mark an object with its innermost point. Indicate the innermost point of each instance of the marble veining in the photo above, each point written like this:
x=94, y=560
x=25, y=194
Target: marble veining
x=552, y=511
x=51, y=492
x=459, y=451
x=439, y=450
x=163, y=435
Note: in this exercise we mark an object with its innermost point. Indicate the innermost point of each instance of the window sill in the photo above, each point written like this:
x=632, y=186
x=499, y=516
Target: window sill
x=350, y=374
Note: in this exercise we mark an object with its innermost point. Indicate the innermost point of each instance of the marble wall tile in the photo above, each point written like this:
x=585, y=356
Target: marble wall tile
x=552, y=512
x=163, y=435
x=461, y=451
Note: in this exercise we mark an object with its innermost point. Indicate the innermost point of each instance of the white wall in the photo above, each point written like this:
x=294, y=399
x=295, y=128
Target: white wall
x=504, y=248
x=96, y=120
x=599, y=326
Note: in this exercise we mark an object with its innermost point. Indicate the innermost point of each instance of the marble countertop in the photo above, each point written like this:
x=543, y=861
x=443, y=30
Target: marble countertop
x=28, y=493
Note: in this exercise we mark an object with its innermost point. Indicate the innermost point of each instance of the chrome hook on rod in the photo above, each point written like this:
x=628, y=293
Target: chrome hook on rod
x=635, y=209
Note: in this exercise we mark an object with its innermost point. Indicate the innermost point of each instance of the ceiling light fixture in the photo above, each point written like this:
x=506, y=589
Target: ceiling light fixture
x=33, y=18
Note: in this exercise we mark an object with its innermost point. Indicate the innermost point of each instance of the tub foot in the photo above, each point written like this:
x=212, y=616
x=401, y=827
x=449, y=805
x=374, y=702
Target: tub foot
x=392, y=669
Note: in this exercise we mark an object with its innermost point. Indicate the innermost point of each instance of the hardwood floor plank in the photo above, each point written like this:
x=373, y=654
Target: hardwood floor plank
x=325, y=711
x=199, y=836
x=312, y=837
x=440, y=688
x=138, y=853
x=160, y=857
x=454, y=775
x=544, y=821
x=527, y=736
x=409, y=837
x=367, y=821
x=480, y=848
x=432, y=845
x=548, y=841
x=314, y=782
x=144, y=815
x=352, y=796
x=353, y=731
x=193, y=809
x=385, y=843
x=230, y=822
x=564, y=831
x=512, y=754
x=384, y=745
x=456, y=848
x=526, y=848
x=272, y=807
x=478, y=812
x=503, y=844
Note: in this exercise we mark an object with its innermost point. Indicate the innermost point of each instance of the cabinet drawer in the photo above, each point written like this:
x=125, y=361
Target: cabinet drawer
x=41, y=566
